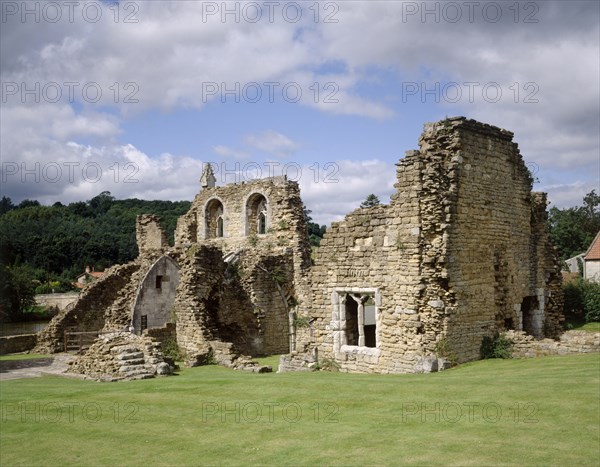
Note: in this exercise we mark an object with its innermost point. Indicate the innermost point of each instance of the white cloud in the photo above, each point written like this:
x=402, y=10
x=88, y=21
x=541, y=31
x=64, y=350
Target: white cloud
x=166, y=59
x=338, y=193
x=228, y=152
x=272, y=143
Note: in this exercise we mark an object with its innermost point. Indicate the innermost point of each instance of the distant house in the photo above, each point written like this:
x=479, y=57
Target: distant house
x=575, y=264
x=88, y=276
x=591, y=261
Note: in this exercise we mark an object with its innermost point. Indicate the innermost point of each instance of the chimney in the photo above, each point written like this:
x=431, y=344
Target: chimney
x=87, y=269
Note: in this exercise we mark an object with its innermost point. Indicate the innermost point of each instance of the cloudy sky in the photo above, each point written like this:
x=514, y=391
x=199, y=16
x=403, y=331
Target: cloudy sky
x=133, y=97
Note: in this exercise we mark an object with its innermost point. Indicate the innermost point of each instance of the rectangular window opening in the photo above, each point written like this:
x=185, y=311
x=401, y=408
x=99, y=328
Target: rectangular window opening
x=159, y=280
x=359, y=320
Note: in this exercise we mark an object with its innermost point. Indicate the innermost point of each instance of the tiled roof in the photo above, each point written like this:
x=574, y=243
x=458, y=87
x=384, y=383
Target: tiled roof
x=593, y=252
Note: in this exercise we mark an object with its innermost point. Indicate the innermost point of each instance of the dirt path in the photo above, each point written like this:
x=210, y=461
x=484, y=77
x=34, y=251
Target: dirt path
x=33, y=368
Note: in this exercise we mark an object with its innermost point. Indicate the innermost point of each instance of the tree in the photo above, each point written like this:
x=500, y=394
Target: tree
x=27, y=203
x=6, y=205
x=17, y=289
x=101, y=204
x=315, y=231
x=572, y=230
x=370, y=201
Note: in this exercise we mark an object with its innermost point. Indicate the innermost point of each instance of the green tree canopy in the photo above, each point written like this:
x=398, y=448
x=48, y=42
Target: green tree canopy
x=572, y=230
x=370, y=201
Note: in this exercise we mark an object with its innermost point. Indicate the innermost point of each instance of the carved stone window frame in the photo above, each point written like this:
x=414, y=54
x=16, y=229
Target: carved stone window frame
x=338, y=318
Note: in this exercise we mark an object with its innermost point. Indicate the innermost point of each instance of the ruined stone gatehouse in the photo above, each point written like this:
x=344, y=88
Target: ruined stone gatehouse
x=460, y=253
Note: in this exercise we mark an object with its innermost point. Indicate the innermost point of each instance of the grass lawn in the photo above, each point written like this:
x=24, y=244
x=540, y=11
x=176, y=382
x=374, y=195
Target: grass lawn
x=543, y=411
x=22, y=356
x=592, y=327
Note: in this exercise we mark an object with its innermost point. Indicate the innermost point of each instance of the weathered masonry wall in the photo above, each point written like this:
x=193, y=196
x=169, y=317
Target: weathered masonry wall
x=260, y=231
x=108, y=303
x=14, y=344
x=570, y=342
x=150, y=235
x=153, y=305
x=90, y=311
x=461, y=252
x=499, y=269
x=239, y=207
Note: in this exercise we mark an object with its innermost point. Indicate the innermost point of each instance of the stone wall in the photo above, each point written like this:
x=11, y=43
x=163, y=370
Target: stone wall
x=257, y=268
x=90, y=311
x=570, y=342
x=498, y=271
x=153, y=304
x=242, y=301
x=162, y=334
x=16, y=344
x=58, y=300
x=460, y=253
x=149, y=235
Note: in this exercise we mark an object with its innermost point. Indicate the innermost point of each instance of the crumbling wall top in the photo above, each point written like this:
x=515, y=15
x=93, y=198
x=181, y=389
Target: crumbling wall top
x=150, y=235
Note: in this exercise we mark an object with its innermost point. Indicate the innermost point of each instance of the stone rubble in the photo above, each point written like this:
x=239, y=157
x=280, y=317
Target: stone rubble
x=121, y=356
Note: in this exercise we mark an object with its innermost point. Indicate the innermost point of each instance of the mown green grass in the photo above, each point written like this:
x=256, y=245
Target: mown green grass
x=23, y=356
x=592, y=327
x=543, y=411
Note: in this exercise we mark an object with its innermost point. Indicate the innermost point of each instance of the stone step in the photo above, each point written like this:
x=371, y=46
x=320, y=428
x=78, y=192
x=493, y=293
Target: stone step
x=133, y=368
x=133, y=362
x=141, y=372
x=118, y=349
x=144, y=376
x=130, y=356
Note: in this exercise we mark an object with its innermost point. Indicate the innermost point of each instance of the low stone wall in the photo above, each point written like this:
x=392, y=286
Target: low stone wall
x=569, y=343
x=58, y=300
x=14, y=344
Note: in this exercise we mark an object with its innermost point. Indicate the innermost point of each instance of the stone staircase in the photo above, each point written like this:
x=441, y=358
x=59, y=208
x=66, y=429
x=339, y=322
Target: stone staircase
x=132, y=362
x=121, y=356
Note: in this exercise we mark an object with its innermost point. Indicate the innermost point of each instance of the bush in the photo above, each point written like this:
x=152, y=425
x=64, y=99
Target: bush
x=328, y=364
x=582, y=298
x=498, y=346
x=171, y=349
x=591, y=302
x=54, y=287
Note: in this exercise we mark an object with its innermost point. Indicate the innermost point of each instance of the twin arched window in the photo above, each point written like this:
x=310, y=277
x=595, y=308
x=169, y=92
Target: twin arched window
x=256, y=217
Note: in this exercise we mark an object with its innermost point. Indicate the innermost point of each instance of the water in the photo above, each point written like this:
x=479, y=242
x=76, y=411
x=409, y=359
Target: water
x=30, y=327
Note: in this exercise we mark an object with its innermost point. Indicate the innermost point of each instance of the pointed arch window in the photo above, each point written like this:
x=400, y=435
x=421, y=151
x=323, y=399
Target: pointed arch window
x=256, y=215
x=220, y=226
x=213, y=219
x=261, y=222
